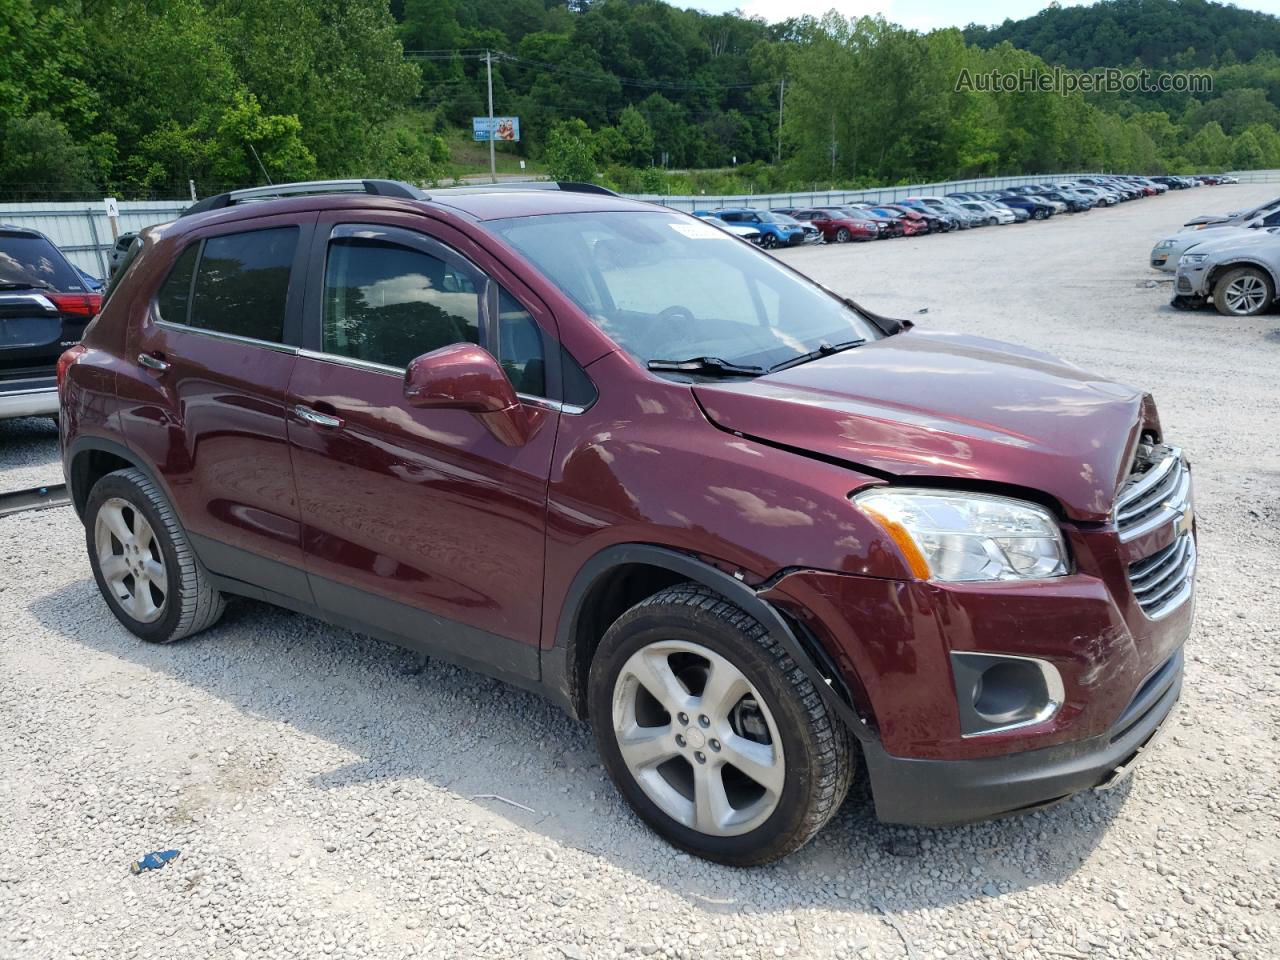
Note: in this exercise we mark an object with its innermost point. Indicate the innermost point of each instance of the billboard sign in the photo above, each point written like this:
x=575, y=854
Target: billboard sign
x=484, y=129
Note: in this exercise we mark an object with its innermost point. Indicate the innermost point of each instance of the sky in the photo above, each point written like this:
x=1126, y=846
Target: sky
x=917, y=14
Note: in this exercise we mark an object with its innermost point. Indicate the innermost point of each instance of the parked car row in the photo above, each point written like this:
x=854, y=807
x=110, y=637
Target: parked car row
x=1230, y=260
x=913, y=216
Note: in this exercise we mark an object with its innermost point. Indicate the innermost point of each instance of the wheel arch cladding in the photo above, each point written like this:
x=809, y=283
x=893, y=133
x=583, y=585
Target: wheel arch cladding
x=91, y=459
x=619, y=577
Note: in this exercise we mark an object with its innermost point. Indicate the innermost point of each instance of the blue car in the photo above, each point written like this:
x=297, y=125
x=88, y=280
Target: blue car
x=773, y=231
x=1036, y=209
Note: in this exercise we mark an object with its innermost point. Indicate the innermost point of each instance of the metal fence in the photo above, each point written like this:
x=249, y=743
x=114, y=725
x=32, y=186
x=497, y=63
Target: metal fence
x=1257, y=176
x=82, y=231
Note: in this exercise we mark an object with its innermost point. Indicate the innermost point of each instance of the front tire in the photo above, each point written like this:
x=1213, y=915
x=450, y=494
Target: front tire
x=712, y=733
x=1243, y=292
x=843, y=235
x=143, y=562
x=768, y=241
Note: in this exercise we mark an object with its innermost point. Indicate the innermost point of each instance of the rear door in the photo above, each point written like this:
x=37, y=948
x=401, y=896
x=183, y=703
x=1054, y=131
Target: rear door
x=206, y=402
x=420, y=523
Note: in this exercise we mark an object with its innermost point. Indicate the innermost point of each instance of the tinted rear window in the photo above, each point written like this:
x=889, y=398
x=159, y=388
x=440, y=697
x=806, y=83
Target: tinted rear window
x=242, y=283
x=174, y=298
x=31, y=261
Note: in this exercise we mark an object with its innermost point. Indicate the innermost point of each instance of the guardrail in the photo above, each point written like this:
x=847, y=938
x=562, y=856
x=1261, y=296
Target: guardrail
x=1256, y=176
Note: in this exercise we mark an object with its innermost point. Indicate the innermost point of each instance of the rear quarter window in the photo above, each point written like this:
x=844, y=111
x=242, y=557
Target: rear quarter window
x=28, y=260
x=242, y=283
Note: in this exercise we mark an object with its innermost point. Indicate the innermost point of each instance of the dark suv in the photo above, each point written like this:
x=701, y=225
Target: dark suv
x=45, y=303
x=747, y=528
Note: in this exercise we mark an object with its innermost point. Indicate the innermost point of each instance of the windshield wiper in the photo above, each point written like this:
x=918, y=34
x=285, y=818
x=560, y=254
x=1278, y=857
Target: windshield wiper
x=824, y=350
x=708, y=366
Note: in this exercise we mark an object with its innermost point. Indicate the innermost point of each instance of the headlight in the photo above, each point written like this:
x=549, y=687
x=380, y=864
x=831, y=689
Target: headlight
x=1164, y=244
x=954, y=536
x=1191, y=258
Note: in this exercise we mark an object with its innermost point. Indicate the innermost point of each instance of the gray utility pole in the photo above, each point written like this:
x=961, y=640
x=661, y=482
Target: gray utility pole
x=782, y=86
x=493, y=162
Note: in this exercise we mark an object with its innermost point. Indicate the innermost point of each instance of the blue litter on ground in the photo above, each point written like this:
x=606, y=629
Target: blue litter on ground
x=153, y=861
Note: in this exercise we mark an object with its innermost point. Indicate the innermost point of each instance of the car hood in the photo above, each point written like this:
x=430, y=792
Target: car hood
x=1187, y=239
x=1240, y=240
x=926, y=404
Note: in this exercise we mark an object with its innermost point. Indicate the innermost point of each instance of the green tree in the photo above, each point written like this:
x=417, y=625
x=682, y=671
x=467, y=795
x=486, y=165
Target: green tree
x=1246, y=152
x=568, y=154
x=637, y=136
x=38, y=154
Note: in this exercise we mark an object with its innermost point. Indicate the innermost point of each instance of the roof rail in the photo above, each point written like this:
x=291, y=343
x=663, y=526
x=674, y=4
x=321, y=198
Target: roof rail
x=512, y=186
x=377, y=188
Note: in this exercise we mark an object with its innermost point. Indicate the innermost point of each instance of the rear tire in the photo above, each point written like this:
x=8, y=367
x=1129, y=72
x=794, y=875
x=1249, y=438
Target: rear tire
x=689, y=685
x=1243, y=292
x=143, y=562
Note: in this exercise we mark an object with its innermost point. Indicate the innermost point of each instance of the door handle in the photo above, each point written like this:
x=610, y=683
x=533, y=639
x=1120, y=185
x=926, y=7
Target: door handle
x=153, y=363
x=314, y=416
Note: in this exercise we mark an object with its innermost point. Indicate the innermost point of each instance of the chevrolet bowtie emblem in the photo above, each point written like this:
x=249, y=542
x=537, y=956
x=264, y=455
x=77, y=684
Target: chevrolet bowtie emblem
x=1181, y=523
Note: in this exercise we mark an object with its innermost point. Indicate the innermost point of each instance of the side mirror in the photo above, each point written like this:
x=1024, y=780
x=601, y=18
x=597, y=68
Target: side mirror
x=463, y=376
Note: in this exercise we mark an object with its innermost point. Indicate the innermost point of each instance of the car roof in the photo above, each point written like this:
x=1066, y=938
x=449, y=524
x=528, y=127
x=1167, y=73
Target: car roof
x=474, y=201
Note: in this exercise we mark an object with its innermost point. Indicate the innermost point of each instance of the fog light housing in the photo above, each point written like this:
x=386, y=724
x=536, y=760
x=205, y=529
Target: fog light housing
x=997, y=692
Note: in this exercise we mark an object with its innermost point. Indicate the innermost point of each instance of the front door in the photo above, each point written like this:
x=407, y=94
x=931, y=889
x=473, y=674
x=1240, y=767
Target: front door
x=419, y=524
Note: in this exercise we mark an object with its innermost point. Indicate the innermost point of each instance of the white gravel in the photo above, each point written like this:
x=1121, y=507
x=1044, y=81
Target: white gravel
x=323, y=794
x=28, y=453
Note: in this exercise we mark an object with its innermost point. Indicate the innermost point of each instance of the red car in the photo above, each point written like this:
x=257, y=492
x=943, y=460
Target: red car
x=912, y=225
x=932, y=223
x=746, y=528
x=836, y=227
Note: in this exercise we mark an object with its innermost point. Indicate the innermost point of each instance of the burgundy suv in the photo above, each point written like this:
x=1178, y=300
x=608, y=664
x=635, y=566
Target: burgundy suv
x=605, y=451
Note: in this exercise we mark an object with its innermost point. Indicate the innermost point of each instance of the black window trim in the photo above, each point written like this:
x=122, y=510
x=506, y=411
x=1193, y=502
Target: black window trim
x=291, y=327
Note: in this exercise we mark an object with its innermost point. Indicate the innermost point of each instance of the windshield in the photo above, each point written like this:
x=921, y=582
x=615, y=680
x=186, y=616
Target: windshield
x=665, y=287
x=28, y=261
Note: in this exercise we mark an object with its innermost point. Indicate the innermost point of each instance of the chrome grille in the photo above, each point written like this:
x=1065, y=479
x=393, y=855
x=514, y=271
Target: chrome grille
x=1162, y=581
x=1159, y=495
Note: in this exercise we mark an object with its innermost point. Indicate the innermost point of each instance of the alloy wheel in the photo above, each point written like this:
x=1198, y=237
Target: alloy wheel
x=1246, y=294
x=698, y=738
x=131, y=561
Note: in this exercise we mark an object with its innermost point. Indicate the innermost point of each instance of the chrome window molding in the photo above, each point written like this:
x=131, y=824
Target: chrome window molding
x=232, y=337
x=354, y=362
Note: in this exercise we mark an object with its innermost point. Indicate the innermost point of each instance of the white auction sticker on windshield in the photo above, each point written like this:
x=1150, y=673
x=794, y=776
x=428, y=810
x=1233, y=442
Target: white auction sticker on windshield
x=700, y=231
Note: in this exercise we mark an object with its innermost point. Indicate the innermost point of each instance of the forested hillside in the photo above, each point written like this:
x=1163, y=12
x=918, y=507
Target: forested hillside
x=137, y=97
x=1166, y=34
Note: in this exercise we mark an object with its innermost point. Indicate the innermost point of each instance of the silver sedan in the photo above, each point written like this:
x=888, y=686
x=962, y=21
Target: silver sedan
x=1166, y=254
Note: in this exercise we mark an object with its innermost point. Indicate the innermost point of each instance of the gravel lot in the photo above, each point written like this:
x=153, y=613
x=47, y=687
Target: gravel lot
x=325, y=792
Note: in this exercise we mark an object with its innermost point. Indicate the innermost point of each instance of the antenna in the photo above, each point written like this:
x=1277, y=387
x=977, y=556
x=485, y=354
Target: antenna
x=265, y=175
